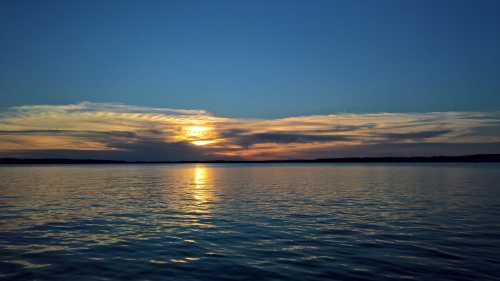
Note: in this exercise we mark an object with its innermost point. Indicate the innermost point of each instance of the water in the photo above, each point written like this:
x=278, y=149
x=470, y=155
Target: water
x=250, y=222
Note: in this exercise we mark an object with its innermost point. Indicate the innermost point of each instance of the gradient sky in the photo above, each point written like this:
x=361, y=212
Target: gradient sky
x=249, y=62
x=277, y=58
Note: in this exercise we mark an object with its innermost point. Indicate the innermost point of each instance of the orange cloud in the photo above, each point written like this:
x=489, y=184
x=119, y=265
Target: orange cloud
x=132, y=129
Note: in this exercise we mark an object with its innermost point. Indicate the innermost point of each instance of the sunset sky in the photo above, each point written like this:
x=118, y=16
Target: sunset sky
x=200, y=80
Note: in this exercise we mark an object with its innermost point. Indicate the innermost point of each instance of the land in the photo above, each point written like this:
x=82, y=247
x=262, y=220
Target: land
x=478, y=158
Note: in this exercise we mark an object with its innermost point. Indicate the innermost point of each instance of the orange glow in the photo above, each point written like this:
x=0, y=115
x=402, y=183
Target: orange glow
x=109, y=127
x=198, y=135
x=202, y=192
x=49, y=142
x=200, y=176
x=203, y=142
x=197, y=131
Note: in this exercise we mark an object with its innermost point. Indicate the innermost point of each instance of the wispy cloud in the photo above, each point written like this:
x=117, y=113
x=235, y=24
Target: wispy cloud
x=118, y=131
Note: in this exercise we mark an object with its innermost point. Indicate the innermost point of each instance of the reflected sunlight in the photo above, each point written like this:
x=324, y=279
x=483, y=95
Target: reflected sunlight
x=200, y=175
x=201, y=191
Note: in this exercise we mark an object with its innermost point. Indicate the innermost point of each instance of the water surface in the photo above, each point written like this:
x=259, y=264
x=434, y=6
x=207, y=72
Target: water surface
x=250, y=222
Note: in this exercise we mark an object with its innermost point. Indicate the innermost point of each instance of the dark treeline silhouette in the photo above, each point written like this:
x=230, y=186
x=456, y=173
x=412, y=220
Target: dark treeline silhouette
x=478, y=158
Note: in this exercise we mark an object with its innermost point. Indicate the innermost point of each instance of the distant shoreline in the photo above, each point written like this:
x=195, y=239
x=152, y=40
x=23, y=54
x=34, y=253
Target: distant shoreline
x=478, y=158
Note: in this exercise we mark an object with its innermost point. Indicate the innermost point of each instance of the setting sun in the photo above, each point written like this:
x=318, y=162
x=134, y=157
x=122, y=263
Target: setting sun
x=196, y=131
x=202, y=142
x=198, y=135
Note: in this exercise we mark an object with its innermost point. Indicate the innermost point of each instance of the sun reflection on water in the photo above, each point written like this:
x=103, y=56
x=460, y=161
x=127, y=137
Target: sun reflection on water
x=201, y=192
x=200, y=176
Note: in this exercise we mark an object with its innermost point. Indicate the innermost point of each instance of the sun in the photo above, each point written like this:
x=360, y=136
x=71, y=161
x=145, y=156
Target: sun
x=196, y=131
x=202, y=142
x=199, y=135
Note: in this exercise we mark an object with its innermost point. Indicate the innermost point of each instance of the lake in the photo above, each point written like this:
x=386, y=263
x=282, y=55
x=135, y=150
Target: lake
x=250, y=222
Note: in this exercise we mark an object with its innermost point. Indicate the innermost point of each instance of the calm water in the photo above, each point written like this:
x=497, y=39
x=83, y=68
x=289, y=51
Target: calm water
x=250, y=222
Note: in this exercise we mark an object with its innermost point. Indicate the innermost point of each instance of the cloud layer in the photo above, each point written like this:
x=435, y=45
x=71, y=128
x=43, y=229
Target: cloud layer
x=117, y=131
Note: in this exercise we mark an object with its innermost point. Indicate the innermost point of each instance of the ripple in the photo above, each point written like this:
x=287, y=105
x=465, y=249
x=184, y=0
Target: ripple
x=250, y=222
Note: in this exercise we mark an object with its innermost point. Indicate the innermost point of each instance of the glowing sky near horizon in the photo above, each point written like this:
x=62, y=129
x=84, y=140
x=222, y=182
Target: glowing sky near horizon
x=117, y=131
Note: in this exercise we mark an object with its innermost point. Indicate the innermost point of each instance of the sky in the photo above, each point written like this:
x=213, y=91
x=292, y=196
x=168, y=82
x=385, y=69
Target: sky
x=199, y=80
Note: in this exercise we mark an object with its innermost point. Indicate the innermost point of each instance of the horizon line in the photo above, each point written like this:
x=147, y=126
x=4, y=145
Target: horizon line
x=469, y=158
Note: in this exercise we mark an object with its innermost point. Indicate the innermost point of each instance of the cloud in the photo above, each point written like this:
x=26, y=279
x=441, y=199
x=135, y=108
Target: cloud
x=400, y=149
x=286, y=138
x=105, y=107
x=118, y=131
x=415, y=135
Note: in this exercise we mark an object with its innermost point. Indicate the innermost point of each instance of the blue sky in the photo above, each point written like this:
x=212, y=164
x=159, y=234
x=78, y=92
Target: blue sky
x=262, y=59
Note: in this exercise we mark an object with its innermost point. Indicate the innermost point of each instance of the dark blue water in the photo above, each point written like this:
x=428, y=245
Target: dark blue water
x=250, y=222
